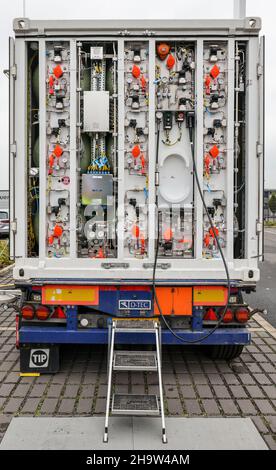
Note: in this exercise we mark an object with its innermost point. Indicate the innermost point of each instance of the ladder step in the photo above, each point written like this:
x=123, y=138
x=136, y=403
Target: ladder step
x=135, y=360
x=134, y=326
x=134, y=404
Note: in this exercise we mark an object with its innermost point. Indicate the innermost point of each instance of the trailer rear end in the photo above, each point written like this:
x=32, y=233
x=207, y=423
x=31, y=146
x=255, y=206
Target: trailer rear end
x=136, y=180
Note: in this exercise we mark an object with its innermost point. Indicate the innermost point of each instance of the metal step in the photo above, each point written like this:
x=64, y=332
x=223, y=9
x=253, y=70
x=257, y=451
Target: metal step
x=134, y=404
x=135, y=360
x=135, y=326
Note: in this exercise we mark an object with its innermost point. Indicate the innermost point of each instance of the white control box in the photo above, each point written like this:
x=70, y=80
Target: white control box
x=96, y=53
x=96, y=111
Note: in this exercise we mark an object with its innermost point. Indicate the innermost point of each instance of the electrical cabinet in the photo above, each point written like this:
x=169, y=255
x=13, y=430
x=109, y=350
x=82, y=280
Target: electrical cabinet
x=115, y=127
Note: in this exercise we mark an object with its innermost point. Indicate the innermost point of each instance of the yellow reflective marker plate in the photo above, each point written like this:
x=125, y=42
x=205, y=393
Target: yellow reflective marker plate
x=210, y=295
x=70, y=295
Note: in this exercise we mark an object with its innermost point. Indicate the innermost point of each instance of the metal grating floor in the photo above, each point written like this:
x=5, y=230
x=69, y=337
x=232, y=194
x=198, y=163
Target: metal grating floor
x=135, y=404
x=135, y=360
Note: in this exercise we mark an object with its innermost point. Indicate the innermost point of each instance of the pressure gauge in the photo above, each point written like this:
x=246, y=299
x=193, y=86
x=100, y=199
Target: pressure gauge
x=159, y=115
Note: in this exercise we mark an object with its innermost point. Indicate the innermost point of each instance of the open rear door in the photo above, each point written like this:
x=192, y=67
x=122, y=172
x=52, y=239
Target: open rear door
x=261, y=146
x=12, y=145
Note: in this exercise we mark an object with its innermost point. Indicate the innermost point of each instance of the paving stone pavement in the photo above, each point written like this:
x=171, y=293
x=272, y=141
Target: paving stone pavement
x=194, y=384
x=6, y=278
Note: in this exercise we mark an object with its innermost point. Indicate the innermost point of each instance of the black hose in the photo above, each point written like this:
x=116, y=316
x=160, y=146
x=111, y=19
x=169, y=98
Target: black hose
x=180, y=338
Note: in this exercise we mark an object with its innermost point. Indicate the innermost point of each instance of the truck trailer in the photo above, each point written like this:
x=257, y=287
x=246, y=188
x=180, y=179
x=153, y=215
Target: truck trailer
x=136, y=181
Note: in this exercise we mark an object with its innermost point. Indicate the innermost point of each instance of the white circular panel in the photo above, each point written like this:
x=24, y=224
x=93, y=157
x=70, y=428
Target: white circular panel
x=174, y=179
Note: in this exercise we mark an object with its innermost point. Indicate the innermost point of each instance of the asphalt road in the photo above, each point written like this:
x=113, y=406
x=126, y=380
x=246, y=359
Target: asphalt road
x=265, y=296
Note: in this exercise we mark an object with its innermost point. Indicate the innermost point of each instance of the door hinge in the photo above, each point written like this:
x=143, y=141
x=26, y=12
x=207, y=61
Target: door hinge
x=259, y=149
x=13, y=148
x=259, y=227
x=13, y=71
x=14, y=226
x=260, y=70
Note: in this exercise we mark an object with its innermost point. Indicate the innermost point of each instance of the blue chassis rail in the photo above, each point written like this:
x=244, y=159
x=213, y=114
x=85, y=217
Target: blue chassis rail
x=61, y=335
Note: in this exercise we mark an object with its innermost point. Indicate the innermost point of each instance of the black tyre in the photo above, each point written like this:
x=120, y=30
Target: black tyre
x=227, y=352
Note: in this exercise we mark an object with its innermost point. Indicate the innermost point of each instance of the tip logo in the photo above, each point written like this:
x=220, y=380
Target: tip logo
x=39, y=358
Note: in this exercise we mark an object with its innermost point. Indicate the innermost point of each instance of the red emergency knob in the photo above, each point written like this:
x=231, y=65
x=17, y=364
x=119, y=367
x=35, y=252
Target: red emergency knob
x=58, y=231
x=136, y=151
x=57, y=71
x=170, y=61
x=136, y=71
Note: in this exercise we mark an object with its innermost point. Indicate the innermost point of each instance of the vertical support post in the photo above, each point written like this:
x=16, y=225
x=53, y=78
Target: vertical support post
x=230, y=150
x=151, y=154
x=73, y=153
x=199, y=148
x=42, y=150
x=72, y=317
x=12, y=150
x=239, y=9
x=121, y=152
x=197, y=318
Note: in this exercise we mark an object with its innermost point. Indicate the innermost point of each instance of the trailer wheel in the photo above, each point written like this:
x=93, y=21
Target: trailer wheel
x=227, y=352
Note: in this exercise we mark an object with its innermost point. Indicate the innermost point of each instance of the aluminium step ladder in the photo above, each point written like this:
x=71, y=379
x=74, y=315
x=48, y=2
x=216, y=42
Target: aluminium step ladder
x=134, y=404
